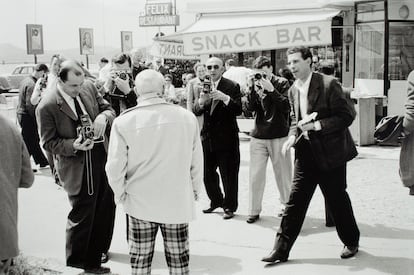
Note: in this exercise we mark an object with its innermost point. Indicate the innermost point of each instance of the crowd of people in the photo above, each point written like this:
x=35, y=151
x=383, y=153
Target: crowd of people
x=108, y=141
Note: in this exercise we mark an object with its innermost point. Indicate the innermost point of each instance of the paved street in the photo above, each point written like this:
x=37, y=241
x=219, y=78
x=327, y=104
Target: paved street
x=383, y=209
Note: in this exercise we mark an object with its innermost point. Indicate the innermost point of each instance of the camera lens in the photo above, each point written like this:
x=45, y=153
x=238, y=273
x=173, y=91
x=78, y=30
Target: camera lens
x=258, y=76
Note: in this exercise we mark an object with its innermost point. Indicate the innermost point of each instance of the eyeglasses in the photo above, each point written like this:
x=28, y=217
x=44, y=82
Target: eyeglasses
x=216, y=67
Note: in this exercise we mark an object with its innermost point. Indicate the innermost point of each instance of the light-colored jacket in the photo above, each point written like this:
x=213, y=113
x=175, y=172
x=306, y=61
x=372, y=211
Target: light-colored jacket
x=155, y=161
x=407, y=147
x=15, y=172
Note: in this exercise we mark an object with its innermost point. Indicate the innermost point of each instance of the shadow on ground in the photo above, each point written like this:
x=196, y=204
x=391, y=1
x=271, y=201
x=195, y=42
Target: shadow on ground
x=362, y=262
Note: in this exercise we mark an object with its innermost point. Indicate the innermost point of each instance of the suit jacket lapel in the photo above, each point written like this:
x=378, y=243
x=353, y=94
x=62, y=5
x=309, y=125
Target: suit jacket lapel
x=313, y=92
x=64, y=107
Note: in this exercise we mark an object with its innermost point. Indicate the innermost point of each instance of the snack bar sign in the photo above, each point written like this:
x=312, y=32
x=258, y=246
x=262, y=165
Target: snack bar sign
x=158, y=14
x=253, y=39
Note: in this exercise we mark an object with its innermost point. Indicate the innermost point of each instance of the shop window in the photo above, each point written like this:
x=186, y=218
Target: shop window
x=401, y=50
x=369, y=61
x=370, y=11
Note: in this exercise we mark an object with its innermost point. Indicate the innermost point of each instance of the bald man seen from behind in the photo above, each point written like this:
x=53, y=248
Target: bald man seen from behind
x=155, y=168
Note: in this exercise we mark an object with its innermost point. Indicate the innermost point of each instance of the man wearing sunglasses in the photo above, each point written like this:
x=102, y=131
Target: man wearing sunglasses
x=220, y=103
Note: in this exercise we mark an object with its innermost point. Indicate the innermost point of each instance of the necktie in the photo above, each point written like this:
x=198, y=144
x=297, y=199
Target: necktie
x=78, y=108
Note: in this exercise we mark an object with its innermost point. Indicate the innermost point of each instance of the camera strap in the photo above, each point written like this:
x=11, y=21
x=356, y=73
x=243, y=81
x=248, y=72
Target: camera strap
x=89, y=172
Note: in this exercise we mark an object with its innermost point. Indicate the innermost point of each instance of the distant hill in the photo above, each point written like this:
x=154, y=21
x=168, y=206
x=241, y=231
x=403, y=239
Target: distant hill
x=12, y=54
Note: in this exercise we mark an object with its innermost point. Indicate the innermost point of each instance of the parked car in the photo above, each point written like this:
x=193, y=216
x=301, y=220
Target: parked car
x=4, y=85
x=19, y=73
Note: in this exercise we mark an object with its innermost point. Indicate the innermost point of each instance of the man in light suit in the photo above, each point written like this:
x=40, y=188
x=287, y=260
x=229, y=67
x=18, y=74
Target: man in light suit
x=80, y=164
x=320, y=119
x=220, y=138
x=156, y=182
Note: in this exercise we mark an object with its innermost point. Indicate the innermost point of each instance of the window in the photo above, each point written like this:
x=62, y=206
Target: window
x=401, y=50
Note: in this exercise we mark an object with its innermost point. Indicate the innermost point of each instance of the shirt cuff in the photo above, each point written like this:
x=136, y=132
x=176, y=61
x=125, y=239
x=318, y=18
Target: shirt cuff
x=227, y=101
x=317, y=125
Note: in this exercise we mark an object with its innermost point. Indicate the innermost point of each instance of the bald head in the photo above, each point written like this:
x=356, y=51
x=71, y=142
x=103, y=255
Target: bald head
x=149, y=81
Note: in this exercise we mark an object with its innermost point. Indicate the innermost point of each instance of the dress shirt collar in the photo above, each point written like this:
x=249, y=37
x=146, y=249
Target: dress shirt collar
x=304, y=85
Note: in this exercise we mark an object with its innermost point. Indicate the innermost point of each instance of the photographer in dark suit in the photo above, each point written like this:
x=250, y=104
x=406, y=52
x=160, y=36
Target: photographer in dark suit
x=323, y=145
x=220, y=105
x=119, y=87
x=80, y=163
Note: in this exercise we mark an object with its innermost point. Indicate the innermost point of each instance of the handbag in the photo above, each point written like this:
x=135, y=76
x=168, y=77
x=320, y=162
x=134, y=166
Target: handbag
x=389, y=131
x=333, y=149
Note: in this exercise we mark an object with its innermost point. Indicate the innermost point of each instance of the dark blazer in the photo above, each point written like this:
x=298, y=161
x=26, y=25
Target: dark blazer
x=220, y=130
x=57, y=126
x=325, y=97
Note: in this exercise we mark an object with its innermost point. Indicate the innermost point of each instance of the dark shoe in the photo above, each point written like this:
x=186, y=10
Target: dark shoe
x=104, y=258
x=274, y=257
x=210, y=210
x=98, y=270
x=349, y=251
x=44, y=165
x=252, y=218
x=228, y=214
x=329, y=224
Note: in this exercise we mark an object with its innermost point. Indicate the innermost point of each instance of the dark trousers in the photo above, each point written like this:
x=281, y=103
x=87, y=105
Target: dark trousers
x=333, y=186
x=31, y=138
x=91, y=220
x=228, y=163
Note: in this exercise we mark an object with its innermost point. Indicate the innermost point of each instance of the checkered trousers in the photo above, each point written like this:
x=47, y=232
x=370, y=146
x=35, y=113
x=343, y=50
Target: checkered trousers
x=142, y=240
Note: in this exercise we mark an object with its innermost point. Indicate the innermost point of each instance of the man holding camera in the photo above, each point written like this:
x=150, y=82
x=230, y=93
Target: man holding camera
x=26, y=115
x=119, y=87
x=220, y=103
x=271, y=108
x=70, y=118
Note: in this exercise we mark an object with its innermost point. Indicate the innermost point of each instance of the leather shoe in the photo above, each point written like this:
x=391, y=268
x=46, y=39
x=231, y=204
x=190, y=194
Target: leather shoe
x=252, y=218
x=228, y=214
x=210, y=209
x=273, y=257
x=104, y=257
x=349, y=251
x=98, y=270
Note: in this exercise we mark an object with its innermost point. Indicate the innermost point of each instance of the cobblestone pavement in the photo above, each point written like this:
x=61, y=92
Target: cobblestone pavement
x=382, y=206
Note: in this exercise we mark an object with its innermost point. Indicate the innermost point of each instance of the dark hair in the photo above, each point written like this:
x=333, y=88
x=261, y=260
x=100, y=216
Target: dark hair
x=305, y=51
x=121, y=59
x=230, y=62
x=70, y=66
x=41, y=67
x=261, y=61
x=104, y=60
x=326, y=67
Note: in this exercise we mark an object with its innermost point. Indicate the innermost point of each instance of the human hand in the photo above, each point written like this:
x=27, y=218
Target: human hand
x=99, y=126
x=122, y=85
x=79, y=145
x=204, y=99
x=219, y=95
x=288, y=144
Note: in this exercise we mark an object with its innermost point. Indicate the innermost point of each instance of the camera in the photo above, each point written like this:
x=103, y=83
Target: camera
x=259, y=76
x=43, y=83
x=207, y=84
x=121, y=74
x=85, y=129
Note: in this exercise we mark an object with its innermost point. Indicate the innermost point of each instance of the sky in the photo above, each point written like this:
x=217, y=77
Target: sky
x=61, y=20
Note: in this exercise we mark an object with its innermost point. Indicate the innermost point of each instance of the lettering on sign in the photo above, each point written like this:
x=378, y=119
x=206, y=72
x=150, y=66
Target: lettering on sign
x=159, y=20
x=170, y=50
x=158, y=9
x=265, y=38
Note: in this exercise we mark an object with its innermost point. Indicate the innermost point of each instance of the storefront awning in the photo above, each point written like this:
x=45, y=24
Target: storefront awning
x=220, y=33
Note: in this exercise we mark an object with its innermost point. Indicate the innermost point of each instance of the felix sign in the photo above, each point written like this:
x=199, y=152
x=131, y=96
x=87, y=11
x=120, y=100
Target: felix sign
x=158, y=14
x=252, y=39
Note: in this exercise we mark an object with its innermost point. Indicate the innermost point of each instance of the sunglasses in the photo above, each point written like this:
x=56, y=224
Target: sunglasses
x=216, y=67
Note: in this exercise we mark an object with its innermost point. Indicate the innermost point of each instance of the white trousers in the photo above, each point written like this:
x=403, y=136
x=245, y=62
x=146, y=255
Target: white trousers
x=260, y=151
